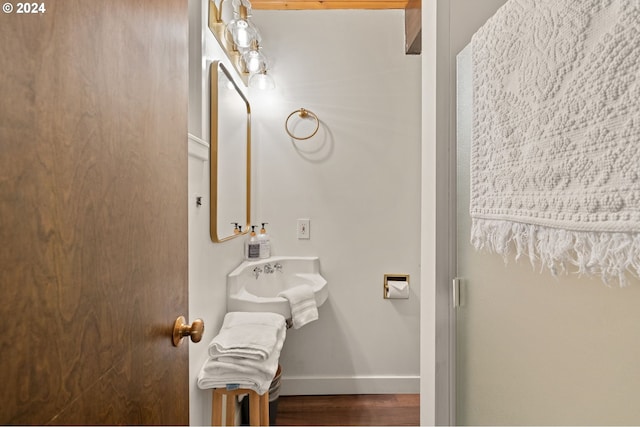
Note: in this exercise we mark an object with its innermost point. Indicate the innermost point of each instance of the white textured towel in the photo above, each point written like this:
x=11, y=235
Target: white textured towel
x=252, y=374
x=303, y=304
x=247, y=335
x=555, y=157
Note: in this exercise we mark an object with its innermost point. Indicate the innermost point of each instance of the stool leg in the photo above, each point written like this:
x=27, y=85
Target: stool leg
x=231, y=410
x=254, y=408
x=216, y=409
x=264, y=409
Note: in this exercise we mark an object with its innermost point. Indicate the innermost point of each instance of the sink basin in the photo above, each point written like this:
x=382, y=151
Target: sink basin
x=255, y=285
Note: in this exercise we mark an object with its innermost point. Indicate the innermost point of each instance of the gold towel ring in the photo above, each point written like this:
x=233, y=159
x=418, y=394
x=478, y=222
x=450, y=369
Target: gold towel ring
x=303, y=113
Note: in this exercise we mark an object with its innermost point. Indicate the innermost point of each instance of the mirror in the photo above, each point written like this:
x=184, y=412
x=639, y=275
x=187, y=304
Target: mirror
x=230, y=156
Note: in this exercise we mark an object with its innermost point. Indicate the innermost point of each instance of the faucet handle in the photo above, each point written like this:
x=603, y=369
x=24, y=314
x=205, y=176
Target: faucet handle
x=268, y=269
x=256, y=271
x=278, y=267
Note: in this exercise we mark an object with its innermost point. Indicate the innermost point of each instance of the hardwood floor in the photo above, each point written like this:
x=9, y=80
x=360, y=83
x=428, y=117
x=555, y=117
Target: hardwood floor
x=349, y=410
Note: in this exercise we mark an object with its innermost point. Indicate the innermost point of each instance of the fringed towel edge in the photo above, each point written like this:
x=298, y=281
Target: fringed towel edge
x=607, y=254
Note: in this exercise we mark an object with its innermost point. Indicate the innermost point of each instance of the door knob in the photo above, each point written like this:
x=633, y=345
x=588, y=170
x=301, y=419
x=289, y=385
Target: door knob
x=181, y=330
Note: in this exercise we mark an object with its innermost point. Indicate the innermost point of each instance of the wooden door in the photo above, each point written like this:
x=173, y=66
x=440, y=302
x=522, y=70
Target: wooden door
x=93, y=212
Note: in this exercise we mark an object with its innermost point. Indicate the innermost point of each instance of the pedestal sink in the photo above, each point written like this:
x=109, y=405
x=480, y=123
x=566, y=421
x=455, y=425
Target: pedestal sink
x=255, y=285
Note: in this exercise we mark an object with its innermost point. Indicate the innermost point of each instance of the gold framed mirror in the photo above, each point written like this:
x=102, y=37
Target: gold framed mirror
x=230, y=156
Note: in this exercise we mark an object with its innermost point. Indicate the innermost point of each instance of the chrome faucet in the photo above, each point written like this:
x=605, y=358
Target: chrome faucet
x=268, y=269
x=257, y=271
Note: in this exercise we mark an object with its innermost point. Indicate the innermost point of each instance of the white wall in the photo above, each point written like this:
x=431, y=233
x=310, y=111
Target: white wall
x=208, y=265
x=358, y=181
x=209, y=262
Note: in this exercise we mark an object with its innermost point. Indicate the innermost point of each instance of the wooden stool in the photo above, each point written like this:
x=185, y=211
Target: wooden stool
x=258, y=407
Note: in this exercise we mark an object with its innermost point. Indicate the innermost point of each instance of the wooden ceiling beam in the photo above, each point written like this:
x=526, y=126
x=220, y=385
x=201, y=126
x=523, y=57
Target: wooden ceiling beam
x=413, y=27
x=327, y=4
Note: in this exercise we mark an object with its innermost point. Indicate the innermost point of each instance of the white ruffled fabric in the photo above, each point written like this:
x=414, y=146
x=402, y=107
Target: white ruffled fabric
x=555, y=156
x=607, y=255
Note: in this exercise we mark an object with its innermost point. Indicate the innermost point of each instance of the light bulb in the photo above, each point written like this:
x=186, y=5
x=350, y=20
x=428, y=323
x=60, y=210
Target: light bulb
x=243, y=33
x=254, y=60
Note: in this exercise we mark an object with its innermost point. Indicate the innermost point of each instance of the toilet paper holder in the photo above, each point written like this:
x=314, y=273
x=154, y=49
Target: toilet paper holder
x=396, y=286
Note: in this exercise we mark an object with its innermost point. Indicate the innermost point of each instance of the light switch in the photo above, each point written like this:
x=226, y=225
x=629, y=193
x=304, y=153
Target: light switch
x=303, y=229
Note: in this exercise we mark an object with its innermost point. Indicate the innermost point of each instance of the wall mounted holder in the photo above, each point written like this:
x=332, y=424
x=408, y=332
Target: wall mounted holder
x=303, y=113
x=396, y=286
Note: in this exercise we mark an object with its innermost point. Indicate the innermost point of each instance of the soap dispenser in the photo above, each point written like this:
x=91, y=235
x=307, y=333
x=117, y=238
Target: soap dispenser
x=236, y=228
x=252, y=246
x=265, y=242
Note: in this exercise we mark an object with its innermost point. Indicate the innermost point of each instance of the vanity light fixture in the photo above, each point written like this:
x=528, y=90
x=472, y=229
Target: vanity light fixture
x=240, y=39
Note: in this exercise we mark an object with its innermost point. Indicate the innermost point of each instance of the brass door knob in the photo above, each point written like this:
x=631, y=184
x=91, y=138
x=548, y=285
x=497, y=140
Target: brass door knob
x=181, y=330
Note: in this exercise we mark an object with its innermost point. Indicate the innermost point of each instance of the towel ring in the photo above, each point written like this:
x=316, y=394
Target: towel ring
x=302, y=113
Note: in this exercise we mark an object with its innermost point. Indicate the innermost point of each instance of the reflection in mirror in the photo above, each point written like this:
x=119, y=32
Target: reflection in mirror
x=230, y=160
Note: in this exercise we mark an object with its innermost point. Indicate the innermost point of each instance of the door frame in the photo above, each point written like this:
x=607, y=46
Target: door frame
x=437, y=323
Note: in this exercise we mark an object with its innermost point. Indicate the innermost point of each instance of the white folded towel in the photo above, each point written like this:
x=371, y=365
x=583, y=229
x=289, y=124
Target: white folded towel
x=303, y=304
x=242, y=372
x=247, y=335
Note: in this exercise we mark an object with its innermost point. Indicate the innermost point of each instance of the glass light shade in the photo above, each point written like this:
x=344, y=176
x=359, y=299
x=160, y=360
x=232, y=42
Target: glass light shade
x=242, y=30
x=243, y=33
x=254, y=60
x=262, y=81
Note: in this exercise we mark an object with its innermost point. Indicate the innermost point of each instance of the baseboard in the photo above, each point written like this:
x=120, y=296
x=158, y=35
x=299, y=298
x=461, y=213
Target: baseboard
x=296, y=386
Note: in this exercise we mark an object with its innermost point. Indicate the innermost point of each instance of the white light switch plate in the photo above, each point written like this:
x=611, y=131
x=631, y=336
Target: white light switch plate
x=303, y=229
